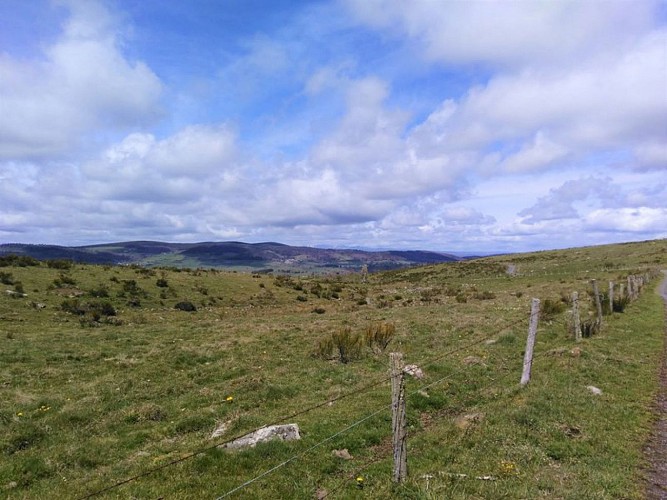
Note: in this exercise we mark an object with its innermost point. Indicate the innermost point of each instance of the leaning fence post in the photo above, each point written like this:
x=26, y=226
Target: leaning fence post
x=530, y=342
x=575, y=317
x=598, y=304
x=398, y=418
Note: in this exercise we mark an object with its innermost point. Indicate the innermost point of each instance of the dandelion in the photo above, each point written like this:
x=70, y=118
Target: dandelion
x=360, y=482
x=19, y=414
x=508, y=468
x=229, y=399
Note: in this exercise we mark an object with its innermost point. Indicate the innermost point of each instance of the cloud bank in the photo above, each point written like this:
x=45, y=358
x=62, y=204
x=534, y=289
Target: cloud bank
x=447, y=126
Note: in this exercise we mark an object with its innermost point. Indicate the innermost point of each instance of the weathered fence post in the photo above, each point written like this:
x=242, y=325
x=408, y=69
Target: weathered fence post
x=631, y=293
x=598, y=305
x=576, y=322
x=611, y=297
x=621, y=291
x=398, y=418
x=530, y=342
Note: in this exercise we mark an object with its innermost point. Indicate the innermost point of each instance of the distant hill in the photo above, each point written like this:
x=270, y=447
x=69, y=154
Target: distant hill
x=230, y=255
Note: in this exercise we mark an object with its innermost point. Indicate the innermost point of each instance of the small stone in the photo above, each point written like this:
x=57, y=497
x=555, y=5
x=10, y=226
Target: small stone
x=414, y=371
x=594, y=390
x=321, y=494
x=344, y=454
x=575, y=352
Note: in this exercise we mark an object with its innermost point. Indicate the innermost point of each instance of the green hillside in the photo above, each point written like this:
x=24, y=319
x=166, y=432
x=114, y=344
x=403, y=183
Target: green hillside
x=104, y=380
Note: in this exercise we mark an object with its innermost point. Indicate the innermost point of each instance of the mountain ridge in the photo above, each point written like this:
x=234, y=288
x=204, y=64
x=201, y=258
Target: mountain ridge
x=237, y=255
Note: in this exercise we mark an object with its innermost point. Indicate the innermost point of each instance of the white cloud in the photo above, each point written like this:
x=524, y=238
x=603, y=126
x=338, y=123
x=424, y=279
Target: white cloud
x=82, y=84
x=510, y=34
x=630, y=220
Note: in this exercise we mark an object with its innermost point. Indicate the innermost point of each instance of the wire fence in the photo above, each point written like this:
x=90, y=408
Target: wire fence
x=361, y=390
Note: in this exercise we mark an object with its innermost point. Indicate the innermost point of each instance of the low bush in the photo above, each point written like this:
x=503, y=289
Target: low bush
x=6, y=278
x=551, y=308
x=59, y=263
x=185, y=306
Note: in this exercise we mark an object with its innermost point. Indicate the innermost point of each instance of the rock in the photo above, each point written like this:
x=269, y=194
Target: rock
x=414, y=371
x=594, y=390
x=575, y=352
x=288, y=432
x=321, y=494
x=344, y=454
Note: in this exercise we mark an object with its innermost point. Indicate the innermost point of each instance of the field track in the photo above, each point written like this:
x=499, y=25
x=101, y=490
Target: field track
x=656, y=450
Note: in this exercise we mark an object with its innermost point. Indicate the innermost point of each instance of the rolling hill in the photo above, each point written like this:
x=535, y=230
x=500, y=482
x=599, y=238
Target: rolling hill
x=230, y=255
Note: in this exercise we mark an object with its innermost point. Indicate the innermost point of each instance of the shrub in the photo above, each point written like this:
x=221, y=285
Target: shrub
x=6, y=278
x=185, y=306
x=17, y=260
x=551, y=308
x=59, y=263
x=484, y=295
x=130, y=287
x=461, y=298
x=301, y=298
x=101, y=291
x=162, y=283
x=620, y=304
x=343, y=345
x=92, y=313
x=319, y=310
x=379, y=335
x=64, y=279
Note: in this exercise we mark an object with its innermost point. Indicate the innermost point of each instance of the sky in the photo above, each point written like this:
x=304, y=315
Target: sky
x=446, y=125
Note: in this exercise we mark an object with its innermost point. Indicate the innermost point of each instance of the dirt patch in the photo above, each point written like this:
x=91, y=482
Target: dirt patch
x=656, y=448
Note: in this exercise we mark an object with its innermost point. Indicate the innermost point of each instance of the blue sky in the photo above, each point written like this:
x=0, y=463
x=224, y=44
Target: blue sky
x=430, y=124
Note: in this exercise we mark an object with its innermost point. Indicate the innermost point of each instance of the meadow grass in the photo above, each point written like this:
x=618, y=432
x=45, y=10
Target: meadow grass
x=86, y=403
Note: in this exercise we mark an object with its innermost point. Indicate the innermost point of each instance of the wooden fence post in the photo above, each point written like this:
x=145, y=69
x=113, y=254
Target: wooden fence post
x=398, y=418
x=611, y=297
x=630, y=290
x=598, y=304
x=530, y=342
x=576, y=322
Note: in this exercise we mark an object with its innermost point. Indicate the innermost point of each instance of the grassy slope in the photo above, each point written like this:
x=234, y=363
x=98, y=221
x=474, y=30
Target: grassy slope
x=101, y=404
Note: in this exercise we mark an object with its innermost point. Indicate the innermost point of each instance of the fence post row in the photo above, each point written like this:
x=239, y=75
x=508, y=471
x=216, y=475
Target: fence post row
x=530, y=342
x=398, y=418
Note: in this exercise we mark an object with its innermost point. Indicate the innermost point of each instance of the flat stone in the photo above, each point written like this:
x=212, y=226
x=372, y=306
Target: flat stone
x=288, y=432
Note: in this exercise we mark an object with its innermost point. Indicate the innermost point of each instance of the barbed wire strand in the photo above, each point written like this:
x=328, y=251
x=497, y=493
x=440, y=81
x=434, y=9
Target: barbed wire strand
x=328, y=402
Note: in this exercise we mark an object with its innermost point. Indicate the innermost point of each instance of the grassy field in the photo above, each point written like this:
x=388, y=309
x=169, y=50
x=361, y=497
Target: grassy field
x=103, y=379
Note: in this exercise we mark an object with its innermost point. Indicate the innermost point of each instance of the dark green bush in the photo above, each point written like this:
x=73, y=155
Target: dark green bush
x=185, y=306
x=59, y=263
x=162, y=283
x=101, y=291
x=17, y=260
x=6, y=278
